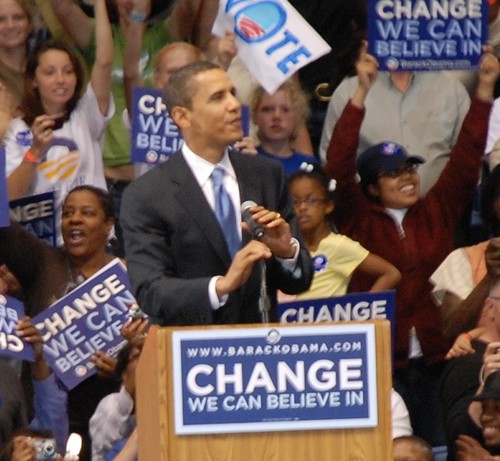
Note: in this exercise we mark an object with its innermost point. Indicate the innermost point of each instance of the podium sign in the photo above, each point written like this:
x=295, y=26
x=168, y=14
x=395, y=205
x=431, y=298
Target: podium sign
x=193, y=383
x=274, y=379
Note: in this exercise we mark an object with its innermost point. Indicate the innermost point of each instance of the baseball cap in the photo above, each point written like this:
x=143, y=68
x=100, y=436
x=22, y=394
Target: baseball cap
x=491, y=389
x=385, y=156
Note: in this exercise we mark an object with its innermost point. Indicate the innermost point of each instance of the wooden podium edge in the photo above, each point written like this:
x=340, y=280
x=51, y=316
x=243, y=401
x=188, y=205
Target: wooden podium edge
x=158, y=441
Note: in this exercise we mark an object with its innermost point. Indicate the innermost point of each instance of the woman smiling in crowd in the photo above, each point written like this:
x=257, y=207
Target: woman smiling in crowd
x=56, y=144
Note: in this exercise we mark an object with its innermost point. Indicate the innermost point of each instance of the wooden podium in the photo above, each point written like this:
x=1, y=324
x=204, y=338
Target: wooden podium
x=159, y=442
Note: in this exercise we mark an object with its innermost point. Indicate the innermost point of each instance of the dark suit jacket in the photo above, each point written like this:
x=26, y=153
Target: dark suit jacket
x=174, y=244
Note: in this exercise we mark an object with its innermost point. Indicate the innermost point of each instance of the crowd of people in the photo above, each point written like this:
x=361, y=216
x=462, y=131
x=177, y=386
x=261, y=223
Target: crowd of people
x=356, y=180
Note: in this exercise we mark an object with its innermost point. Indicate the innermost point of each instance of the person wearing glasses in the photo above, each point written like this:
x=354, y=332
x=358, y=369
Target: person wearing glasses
x=385, y=214
x=335, y=256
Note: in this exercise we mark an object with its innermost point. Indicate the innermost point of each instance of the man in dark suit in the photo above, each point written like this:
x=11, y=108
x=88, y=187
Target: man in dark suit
x=178, y=259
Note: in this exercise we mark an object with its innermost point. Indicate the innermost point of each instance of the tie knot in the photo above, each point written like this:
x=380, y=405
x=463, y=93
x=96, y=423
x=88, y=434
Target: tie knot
x=217, y=176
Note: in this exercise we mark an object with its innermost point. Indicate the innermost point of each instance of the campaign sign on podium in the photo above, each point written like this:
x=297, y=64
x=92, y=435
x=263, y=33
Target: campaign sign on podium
x=274, y=379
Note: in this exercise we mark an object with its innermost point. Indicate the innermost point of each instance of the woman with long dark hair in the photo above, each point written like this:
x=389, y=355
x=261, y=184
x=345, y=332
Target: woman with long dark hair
x=57, y=142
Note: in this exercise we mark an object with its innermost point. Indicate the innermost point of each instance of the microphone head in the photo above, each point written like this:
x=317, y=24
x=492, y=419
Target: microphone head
x=247, y=204
x=255, y=229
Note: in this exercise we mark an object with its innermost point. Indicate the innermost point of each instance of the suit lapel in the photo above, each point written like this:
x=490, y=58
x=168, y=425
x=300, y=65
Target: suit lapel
x=192, y=198
x=246, y=183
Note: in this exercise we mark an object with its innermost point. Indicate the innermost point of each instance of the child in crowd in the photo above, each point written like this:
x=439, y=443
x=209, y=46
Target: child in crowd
x=335, y=256
x=411, y=447
x=114, y=418
x=278, y=117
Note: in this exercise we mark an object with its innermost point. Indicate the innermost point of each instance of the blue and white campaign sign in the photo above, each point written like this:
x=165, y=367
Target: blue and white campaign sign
x=427, y=34
x=37, y=215
x=85, y=321
x=155, y=136
x=274, y=379
x=350, y=307
x=4, y=200
x=11, y=345
x=273, y=39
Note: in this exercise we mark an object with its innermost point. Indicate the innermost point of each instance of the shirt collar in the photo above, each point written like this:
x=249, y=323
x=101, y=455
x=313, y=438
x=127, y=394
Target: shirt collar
x=202, y=169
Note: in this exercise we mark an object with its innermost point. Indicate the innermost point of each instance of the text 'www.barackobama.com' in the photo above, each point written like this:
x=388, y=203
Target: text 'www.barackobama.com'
x=276, y=349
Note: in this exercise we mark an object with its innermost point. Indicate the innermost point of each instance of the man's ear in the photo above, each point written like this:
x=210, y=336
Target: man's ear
x=181, y=116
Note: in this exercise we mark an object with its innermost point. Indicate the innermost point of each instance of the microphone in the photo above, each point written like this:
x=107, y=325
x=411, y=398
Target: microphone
x=254, y=228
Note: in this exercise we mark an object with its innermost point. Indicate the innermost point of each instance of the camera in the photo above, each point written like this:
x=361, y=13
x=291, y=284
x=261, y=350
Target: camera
x=45, y=449
x=135, y=312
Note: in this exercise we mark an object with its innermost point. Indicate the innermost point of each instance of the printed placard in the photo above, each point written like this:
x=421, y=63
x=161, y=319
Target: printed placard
x=11, y=345
x=274, y=379
x=155, y=136
x=4, y=198
x=273, y=39
x=349, y=307
x=85, y=321
x=427, y=34
x=37, y=215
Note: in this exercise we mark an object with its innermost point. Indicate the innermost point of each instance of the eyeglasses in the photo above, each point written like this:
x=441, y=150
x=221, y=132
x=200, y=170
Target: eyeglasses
x=410, y=168
x=309, y=201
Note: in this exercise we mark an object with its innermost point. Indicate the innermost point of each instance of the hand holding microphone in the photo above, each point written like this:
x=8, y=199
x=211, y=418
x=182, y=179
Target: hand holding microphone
x=254, y=228
x=268, y=227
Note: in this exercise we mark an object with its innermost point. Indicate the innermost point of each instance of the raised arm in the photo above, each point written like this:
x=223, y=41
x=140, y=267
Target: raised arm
x=74, y=21
x=341, y=154
x=367, y=70
x=488, y=74
x=192, y=20
x=133, y=31
x=101, y=70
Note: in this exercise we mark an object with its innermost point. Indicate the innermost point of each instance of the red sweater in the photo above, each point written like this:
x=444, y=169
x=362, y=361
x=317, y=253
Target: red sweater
x=428, y=227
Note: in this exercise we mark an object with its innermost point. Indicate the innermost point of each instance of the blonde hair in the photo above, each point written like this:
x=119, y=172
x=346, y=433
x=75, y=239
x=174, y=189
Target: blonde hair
x=295, y=94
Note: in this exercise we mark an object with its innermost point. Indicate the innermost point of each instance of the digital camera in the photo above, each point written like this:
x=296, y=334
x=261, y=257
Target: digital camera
x=45, y=449
x=135, y=312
